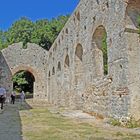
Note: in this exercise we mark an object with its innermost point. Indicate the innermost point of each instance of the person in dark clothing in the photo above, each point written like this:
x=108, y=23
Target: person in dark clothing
x=13, y=96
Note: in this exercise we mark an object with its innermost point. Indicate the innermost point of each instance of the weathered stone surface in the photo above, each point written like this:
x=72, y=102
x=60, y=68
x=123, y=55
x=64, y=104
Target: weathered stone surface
x=71, y=74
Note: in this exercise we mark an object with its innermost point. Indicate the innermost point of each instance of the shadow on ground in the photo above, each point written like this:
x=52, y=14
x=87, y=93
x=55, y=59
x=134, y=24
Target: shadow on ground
x=10, y=121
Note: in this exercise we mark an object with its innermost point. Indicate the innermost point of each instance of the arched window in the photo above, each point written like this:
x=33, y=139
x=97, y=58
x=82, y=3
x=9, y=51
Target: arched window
x=78, y=16
x=59, y=66
x=67, y=61
x=78, y=66
x=23, y=80
x=53, y=71
x=49, y=74
x=67, y=31
x=79, y=52
x=100, y=51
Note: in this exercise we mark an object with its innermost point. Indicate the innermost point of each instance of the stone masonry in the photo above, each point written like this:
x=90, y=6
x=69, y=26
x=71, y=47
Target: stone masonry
x=71, y=73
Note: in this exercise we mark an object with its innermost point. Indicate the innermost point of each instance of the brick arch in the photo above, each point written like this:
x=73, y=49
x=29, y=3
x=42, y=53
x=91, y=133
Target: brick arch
x=25, y=68
x=35, y=74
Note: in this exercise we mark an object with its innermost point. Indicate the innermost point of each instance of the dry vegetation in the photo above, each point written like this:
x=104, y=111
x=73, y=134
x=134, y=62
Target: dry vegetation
x=40, y=124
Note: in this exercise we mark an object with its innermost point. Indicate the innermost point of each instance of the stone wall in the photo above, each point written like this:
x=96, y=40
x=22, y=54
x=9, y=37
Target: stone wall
x=32, y=59
x=71, y=74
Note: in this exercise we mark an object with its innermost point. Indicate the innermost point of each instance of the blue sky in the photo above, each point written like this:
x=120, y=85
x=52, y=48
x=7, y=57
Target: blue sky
x=12, y=10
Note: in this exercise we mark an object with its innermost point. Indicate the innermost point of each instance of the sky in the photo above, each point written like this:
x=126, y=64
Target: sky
x=12, y=10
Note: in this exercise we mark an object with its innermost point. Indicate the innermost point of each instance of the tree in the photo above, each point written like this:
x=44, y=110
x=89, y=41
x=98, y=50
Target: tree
x=23, y=80
x=45, y=32
x=19, y=80
x=42, y=32
x=20, y=31
x=3, y=43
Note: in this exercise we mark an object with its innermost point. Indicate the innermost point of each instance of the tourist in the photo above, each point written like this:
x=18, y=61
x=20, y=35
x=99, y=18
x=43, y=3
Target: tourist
x=2, y=96
x=13, y=96
x=22, y=96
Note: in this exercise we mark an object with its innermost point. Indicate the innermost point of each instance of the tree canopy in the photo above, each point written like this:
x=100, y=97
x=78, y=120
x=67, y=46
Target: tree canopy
x=42, y=32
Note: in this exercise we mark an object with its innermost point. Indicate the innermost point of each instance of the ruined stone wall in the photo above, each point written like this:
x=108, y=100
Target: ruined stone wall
x=32, y=59
x=71, y=74
x=5, y=74
x=82, y=83
x=132, y=41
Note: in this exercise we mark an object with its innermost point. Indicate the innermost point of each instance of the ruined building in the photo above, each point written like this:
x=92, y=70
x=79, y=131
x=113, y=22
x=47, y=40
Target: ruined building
x=71, y=73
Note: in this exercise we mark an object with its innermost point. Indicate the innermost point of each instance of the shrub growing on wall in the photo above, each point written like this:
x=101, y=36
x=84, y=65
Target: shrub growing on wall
x=105, y=55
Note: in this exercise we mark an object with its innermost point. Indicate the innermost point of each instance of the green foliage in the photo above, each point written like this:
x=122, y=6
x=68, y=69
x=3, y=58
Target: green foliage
x=20, y=31
x=138, y=20
x=3, y=42
x=105, y=55
x=42, y=32
x=115, y=122
x=23, y=80
x=19, y=80
x=131, y=123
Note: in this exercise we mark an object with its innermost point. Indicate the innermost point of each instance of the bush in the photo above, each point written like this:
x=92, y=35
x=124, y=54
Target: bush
x=128, y=123
x=115, y=122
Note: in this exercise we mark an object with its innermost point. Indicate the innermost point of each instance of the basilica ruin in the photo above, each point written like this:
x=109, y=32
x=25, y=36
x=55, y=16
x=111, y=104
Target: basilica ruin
x=71, y=73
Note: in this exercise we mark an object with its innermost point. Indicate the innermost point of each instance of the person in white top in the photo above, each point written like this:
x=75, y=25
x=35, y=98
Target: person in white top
x=2, y=91
x=2, y=96
x=22, y=96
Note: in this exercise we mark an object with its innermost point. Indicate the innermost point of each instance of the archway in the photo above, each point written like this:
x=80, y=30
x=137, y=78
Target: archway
x=78, y=66
x=67, y=73
x=59, y=66
x=24, y=80
x=99, y=48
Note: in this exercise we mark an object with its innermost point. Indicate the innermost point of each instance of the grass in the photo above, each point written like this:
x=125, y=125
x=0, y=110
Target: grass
x=41, y=124
x=132, y=123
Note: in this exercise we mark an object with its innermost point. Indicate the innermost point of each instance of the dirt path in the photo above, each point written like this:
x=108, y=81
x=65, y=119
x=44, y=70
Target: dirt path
x=10, y=123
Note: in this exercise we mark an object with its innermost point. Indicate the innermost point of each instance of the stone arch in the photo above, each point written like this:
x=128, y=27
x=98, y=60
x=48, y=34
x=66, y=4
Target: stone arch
x=78, y=16
x=49, y=85
x=49, y=75
x=132, y=14
x=67, y=61
x=66, y=31
x=31, y=70
x=78, y=72
x=79, y=51
x=78, y=76
x=66, y=72
x=25, y=68
x=31, y=79
x=99, y=50
x=53, y=71
x=59, y=66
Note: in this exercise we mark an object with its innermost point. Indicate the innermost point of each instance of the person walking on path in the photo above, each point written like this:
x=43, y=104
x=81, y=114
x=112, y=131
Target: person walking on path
x=2, y=96
x=22, y=96
x=13, y=97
